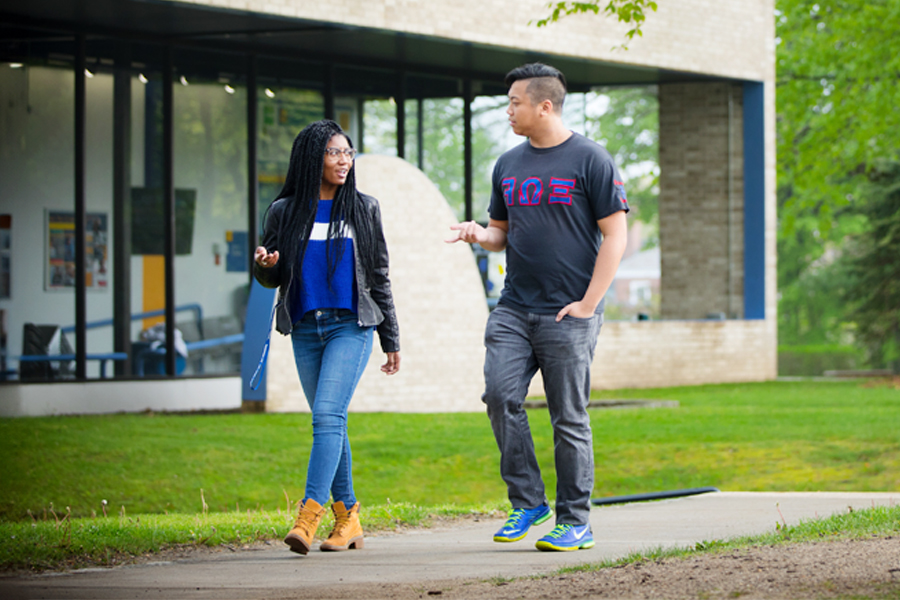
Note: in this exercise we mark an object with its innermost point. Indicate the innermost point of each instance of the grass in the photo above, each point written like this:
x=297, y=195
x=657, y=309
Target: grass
x=168, y=479
x=56, y=540
x=780, y=436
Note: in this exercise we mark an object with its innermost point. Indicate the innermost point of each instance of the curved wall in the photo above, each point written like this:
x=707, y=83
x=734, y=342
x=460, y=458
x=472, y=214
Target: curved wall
x=440, y=305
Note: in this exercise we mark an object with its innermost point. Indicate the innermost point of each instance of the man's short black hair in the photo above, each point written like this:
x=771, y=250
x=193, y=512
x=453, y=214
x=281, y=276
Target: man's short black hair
x=546, y=83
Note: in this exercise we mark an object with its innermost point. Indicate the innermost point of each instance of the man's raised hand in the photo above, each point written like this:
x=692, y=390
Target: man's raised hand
x=467, y=231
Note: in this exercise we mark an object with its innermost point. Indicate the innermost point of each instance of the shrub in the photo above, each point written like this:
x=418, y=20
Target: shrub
x=814, y=360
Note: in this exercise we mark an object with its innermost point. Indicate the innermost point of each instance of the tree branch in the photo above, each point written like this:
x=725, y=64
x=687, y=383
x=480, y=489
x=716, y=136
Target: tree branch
x=626, y=11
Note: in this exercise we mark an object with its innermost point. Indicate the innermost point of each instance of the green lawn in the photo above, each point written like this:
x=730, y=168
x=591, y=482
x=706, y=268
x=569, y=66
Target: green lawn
x=766, y=436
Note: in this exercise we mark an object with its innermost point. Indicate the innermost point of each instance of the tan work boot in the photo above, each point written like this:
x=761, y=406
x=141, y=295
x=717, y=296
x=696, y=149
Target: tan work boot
x=347, y=532
x=300, y=538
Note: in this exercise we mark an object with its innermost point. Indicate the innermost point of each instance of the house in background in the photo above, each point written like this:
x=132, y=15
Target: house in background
x=634, y=293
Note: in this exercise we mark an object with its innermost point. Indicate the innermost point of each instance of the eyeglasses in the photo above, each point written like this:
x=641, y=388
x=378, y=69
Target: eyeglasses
x=335, y=152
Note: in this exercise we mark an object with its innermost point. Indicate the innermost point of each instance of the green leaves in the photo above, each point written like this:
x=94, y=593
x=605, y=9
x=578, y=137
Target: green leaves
x=872, y=266
x=838, y=85
x=629, y=129
x=626, y=11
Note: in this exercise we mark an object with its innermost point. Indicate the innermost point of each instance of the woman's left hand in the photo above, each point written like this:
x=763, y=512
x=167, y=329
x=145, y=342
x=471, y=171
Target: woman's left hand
x=393, y=363
x=264, y=259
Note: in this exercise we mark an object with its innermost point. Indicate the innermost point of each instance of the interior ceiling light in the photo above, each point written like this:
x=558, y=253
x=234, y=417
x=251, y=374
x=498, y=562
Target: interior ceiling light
x=270, y=93
x=229, y=89
x=16, y=65
x=88, y=73
x=183, y=80
x=142, y=78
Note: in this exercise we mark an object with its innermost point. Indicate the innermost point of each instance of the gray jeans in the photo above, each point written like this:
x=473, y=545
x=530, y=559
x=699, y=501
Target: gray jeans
x=518, y=344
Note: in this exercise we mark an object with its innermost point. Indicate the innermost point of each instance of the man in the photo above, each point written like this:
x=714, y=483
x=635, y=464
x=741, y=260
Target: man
x=552, y=198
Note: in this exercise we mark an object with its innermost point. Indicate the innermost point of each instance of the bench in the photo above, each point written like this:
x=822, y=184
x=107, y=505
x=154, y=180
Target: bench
x=214, y=338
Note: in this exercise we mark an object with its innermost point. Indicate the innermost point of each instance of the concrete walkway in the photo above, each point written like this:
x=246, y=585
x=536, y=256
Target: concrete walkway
x=464, y=552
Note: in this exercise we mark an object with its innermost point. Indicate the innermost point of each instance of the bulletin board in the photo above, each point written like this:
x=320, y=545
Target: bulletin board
x=59, y=261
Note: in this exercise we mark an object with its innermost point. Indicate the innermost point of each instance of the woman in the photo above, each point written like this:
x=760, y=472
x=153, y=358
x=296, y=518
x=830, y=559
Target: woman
x=324, y=248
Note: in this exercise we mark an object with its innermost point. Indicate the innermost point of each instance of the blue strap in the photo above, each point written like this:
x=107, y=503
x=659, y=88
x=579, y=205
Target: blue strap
x=261, y=367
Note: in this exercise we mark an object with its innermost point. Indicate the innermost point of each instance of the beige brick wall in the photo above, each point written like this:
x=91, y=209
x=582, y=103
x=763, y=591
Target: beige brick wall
x=664, y=353
x=701, y=200
x=733, y=38
x=440, y=304
x=649, y=354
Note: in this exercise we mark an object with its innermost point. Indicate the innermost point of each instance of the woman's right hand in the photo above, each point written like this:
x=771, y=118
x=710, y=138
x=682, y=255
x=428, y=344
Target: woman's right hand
x=264, y=259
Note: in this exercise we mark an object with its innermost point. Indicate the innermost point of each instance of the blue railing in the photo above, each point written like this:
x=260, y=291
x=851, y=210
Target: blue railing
x=198, y=315
x=103, y=357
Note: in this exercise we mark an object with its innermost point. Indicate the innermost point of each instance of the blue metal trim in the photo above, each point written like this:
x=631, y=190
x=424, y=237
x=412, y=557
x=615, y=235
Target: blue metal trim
x=234, y=338
x=198, y=315
x=256, y=333
x=754, y=201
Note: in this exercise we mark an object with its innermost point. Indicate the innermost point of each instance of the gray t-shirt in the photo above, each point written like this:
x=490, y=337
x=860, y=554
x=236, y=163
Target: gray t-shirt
x=552, y=199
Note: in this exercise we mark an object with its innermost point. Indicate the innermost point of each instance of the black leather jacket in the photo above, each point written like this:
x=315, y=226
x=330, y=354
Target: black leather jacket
x=375, y=301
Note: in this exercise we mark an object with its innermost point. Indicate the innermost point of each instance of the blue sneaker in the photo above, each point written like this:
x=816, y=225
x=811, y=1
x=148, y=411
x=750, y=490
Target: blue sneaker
x=565, y=538
x=520, y=520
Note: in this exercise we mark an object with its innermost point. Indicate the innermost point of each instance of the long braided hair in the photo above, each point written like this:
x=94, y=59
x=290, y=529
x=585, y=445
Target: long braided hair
x=301, y=189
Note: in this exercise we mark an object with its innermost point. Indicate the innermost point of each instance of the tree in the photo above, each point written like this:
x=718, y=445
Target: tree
x=443, y=132
x=626, y=11
x=628, y=127
x=838, y=70
x=872, y=265
x=838, y=63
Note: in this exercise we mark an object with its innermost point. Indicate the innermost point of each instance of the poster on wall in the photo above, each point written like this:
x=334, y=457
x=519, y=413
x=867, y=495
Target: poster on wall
x=237, y=258
x=60, y=248
x=5, y=256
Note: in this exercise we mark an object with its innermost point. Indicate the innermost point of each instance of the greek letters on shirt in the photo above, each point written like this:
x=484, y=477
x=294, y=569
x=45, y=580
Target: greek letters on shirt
x=552, y=199
x=620, y=185
x=530, y=191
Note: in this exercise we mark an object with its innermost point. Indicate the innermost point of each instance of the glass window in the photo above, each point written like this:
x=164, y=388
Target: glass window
x=211, y=248
x=37, y=187
x=283, y=112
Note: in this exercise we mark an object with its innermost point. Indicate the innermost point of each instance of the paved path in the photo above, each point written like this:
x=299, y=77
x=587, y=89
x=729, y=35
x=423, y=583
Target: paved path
x=460, y=553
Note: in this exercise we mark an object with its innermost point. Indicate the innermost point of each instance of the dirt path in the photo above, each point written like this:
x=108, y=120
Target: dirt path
x=868, y=568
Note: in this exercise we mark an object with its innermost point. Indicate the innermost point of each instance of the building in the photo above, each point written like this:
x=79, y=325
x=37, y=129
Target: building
x=140, y=143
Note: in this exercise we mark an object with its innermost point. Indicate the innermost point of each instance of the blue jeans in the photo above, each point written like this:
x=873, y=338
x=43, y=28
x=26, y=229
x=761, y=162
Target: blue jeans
x=331, y=351
x=518, y=344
